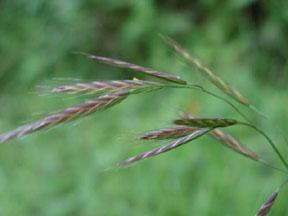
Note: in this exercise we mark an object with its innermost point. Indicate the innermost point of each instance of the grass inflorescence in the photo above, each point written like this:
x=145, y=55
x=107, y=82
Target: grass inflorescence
x=188, y=127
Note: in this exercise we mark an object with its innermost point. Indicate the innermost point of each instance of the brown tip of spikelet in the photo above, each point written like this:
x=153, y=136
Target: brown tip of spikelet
x=267, y=205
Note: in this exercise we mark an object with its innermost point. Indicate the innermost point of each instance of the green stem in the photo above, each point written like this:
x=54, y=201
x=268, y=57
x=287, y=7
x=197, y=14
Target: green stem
x=269, y=141
x=198, y=87
x=253, y=108
x=266, y=118
x=271, y=166
x=260, y=113
x=283, y=184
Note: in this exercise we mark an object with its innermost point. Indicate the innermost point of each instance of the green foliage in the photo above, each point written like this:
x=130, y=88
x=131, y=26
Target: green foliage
x=62, y=171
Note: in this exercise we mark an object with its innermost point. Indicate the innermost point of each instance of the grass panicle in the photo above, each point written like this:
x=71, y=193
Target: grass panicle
x=267, y=205
x=188, y=127
x=145, y=70
x=91, y=106
x=167, y=133
x=109, y=86
x=206, y=72
x=172, y=145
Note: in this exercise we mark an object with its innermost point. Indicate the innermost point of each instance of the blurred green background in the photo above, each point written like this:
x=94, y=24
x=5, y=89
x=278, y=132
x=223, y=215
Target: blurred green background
x=65, y=171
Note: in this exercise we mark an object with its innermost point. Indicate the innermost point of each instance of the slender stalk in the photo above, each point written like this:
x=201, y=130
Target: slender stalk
x=283, y=184
x=198, y=87
x=269, y=141
x=265, y=163
x=260, y=113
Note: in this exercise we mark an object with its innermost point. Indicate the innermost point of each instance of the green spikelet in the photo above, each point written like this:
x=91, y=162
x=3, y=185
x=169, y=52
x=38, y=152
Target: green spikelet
x=207, y=73
x=206, y=122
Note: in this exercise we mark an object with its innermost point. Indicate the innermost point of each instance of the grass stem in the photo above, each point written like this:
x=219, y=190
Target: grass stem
x=269, y=141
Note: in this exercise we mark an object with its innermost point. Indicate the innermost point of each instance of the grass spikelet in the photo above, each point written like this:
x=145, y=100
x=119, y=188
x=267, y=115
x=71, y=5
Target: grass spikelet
x=167, y=133
x=206, y=122
x=91, y=106
x=267, y=205
x=110, y=86
x=207, y=73
x=172, y=145
x=146, y=70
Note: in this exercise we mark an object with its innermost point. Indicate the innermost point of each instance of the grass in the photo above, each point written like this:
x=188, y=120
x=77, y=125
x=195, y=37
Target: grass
x=60, y=171
x=204, y=125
